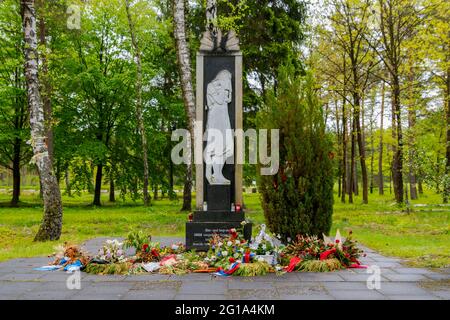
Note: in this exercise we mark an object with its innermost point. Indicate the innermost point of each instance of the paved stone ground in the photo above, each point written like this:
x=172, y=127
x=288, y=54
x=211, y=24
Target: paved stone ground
x=18, y=280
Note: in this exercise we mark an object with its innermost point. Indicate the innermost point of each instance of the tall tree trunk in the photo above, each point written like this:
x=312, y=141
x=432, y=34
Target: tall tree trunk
x=155, y=192
x=139, y=111
x=46, y=89
x=344, y=153
x=355, y=178
x=412, y=144
x=398, y=155
x=67, y=181
x=361, y=144
x=51, y=225
x=380, y=148
x=112, y=191
x=447, y=116
x=16, y=172
x=372, y=142
x=184, y=64
x=338, y=137
x=352, y=163
x=344, y=140
x=98, y=185
x=171, y=191
x=390, y=176
x=420, y=186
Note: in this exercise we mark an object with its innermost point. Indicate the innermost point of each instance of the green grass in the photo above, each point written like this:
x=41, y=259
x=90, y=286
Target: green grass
x=422, y=237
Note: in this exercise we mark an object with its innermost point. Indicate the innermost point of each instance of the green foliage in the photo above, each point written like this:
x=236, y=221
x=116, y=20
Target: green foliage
x=305, y=247
x=258, y=268
x=319, y=265
x=298, y=199
x=110, y=268
x=14, y=124
x=136, y=239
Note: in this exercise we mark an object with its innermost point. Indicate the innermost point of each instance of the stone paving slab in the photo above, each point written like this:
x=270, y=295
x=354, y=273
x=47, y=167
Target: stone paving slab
x=18, y=280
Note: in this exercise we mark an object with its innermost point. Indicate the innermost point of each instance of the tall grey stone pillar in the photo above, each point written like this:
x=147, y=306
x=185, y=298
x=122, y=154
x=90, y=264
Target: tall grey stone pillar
x=218, y=148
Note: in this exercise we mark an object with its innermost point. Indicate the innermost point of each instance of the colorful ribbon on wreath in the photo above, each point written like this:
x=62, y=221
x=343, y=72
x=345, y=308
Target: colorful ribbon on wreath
x=229, y=272
x=247, y=257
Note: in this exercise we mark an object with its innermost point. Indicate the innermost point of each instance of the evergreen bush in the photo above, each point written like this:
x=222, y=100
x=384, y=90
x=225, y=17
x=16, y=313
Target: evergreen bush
x=298, y=199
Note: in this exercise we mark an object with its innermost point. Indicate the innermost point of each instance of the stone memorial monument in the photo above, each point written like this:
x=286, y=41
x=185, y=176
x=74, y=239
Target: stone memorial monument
x=219, y=110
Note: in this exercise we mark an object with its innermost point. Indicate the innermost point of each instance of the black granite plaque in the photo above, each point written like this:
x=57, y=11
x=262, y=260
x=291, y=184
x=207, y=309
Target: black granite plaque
x=199, y=233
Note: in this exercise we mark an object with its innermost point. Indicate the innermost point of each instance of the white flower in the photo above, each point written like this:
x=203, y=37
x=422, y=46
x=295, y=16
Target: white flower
x=278, y=268
x=224, y=253
x=289, y=239
x=242, y=250
x=243, y=223
x=236, y=255
x=278, y=236
x=261, y=259
x=213, y=258
x=175, y=247
x=237, y=242
x=229, y=243
x=264, y=247
x=219, y=244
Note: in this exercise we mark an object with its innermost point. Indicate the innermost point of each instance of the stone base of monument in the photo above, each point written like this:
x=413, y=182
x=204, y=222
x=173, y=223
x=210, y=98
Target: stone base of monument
x=207, y=223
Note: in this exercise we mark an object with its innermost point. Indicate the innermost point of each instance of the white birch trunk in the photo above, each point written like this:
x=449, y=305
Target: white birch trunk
x=50, y=228
x=184, y=64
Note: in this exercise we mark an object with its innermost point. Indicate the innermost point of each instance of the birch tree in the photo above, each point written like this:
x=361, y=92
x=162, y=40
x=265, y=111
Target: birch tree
x=184, y=65
x=51, y=226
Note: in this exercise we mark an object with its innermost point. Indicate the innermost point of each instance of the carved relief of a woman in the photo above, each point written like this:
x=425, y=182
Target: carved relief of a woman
x=219, y=137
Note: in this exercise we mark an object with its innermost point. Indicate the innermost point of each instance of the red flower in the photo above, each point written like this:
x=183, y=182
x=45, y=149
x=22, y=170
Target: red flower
x=155, y=252
x=233, y=234
x=145, y=247
x=232, y=260
x=337, y=241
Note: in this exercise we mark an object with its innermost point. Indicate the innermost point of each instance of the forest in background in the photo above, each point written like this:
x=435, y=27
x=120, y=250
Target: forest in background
x=382, y=69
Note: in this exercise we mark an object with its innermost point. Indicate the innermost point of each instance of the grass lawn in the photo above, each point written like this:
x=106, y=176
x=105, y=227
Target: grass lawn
x=421, y=236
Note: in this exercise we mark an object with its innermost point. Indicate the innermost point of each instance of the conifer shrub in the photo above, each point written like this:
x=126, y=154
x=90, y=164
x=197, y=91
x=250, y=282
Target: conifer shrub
x=298, y=199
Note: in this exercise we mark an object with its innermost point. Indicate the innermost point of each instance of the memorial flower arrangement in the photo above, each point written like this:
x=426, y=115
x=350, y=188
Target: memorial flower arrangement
x=110, y=259
x=223, y=251
x=317, y=255
x=111, y=252
x=229, y=255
